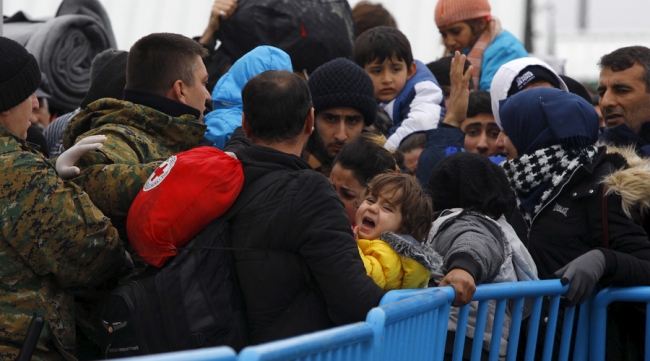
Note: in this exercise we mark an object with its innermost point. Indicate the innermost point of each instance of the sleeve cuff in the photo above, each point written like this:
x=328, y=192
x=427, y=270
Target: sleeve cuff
x=465, y=262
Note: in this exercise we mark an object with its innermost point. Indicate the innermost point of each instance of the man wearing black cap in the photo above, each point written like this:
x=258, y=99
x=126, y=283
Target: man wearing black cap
x=52, y=237
x=344, y=102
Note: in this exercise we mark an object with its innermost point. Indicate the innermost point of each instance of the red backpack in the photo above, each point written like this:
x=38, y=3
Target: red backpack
x=180, y=198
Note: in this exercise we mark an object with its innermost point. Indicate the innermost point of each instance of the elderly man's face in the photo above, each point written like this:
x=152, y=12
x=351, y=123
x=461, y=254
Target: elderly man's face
x=17, y=119
x=623, y=97
x=337, y=127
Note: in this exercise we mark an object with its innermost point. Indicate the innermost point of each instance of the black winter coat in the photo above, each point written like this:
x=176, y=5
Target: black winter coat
x=570, y=225
x=301, y=270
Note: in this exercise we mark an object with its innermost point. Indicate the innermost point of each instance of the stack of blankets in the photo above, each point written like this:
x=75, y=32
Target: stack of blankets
x=65, y=46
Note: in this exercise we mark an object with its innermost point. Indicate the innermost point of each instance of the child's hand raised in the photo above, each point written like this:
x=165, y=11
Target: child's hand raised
x=459, y=93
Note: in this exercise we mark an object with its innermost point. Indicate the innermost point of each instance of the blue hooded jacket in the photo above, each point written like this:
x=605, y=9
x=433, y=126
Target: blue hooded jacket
x=226, y=95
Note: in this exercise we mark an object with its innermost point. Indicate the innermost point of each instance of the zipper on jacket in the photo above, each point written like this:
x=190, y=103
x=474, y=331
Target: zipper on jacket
x=551, y=200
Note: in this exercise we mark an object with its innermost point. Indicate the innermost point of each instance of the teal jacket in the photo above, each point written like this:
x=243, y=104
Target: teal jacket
x=504, y=48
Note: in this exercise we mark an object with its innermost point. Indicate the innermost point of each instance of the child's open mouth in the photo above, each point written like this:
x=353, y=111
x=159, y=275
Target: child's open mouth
x=368, y=224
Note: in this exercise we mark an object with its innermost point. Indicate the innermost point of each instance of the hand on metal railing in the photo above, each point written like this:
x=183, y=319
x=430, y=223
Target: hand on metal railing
x=582, y=273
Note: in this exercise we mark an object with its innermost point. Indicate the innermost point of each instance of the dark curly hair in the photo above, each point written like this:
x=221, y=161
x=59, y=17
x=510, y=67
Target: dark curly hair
x=417, y=211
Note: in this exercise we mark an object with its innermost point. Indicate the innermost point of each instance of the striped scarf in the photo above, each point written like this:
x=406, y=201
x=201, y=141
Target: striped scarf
x=475, y=55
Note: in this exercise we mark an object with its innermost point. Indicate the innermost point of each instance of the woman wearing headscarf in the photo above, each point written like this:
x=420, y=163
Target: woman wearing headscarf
x=580, y=203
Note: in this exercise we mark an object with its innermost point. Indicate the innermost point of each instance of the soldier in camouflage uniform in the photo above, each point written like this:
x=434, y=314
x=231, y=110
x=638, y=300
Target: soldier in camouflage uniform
x=53, y=238
x=161, y=114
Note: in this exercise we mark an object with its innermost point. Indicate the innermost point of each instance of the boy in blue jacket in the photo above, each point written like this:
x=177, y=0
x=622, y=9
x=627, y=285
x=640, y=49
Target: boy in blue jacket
x=404, y=87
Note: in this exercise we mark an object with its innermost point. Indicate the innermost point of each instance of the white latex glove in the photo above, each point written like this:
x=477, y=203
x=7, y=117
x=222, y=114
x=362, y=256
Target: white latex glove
x=65, y=163
x=231, y=154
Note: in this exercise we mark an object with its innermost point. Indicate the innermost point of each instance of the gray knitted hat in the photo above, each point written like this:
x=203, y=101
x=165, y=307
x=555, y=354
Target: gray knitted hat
x=19, y=74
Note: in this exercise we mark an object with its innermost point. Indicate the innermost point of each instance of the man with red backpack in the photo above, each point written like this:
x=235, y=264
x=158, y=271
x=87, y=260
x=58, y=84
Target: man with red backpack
x=296, y=258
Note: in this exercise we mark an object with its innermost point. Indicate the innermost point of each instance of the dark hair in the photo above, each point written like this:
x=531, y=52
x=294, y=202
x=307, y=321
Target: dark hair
x=381, y=43
x=157, y=60
x=412, y=142
x=276, y=104
x=366, y=158
x=417, y=211
x=624, y=58
x=441, y=68
x=471, y=181
x=367, y=15
x=479, y=103
x=475, y=25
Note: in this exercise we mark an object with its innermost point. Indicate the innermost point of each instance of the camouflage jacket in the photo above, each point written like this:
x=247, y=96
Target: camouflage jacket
x=139, y=139
x=53, y=238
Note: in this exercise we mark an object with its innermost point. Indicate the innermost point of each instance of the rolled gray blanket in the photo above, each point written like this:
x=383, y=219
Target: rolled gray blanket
x=64, y=48
x=92, y=8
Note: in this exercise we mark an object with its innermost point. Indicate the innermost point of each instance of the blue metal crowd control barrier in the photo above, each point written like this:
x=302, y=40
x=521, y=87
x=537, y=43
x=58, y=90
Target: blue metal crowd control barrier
x=222, y=353
x=411, y=328
x=516, y=293
x=412, y=325
x=350, y=342
x=599, y=317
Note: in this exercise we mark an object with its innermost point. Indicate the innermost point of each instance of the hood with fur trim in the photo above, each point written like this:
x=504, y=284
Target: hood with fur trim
x=506, y=75
x=631, y=183
x=410, y=248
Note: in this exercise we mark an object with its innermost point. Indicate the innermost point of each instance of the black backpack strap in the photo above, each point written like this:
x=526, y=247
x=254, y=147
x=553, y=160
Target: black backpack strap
x=245, y=197
x=250, y=193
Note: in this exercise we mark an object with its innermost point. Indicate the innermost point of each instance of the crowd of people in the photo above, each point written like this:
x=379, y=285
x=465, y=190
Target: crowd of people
x=486, y=165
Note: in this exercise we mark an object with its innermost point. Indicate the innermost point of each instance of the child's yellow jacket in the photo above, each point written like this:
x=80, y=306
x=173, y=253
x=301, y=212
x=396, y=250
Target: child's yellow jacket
x=398, y=261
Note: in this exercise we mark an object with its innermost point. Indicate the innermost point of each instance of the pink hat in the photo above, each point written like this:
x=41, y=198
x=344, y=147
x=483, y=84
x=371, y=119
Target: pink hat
x=452, y=11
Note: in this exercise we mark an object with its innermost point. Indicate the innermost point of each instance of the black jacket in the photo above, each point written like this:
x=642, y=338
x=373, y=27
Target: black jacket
x=570, y=225
x=301, y=270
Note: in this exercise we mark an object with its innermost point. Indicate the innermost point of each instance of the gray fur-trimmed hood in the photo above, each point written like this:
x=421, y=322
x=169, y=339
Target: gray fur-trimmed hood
x=424, y=255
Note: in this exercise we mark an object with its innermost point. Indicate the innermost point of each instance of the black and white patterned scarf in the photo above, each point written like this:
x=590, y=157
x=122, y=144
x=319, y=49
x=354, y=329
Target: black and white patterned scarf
x=555, y=163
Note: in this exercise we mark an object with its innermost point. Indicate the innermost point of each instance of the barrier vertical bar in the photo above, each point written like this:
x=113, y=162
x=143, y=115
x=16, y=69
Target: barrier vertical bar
x=515, y=328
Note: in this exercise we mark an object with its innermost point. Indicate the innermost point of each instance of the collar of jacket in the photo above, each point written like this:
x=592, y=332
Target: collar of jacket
x=622, y=136
x=587, y=179
x=160, y=103
x=180, y=133
x=631, y=180
x=408, y=247
x=259, y=160
x=11, y=143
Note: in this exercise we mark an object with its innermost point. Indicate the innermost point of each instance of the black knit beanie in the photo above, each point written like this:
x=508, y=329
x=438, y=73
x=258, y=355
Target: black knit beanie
x=341, y=83
x=19, y=74
x=109, y=80
x=468, y=180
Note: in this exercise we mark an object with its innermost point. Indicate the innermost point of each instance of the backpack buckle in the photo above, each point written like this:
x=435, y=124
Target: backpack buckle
x=198, y=339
